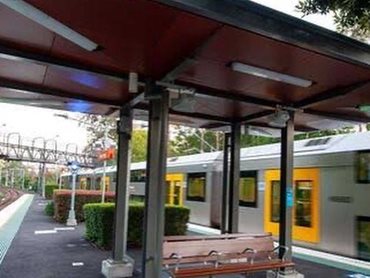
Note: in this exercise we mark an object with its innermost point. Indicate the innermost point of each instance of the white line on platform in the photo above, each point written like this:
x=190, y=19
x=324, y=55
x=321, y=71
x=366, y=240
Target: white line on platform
x=71, y=245
x=64, y=229
x=43, y=232
x=77, y=264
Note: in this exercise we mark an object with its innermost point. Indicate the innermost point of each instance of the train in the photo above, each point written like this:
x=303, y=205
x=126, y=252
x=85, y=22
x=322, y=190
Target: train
x=331, y=210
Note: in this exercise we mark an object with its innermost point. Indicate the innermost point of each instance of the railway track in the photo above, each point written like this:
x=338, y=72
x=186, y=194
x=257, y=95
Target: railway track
x=7, y=196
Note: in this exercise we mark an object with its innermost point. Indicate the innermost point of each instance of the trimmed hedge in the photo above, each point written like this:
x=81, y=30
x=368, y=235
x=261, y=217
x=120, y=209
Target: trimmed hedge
x=62, y=202
x=49, y=189
x=100, y=220
x=49, y=208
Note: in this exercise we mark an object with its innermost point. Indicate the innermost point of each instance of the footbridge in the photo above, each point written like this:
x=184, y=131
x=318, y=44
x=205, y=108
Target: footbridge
x=15, y=147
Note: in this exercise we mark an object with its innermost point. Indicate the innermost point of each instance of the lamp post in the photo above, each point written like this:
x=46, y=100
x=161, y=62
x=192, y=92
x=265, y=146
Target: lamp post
x=71, y=221
x=104, y=165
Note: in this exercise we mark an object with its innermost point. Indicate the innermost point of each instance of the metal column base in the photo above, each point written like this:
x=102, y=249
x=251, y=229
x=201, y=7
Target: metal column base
x=71, y=221
x=288, y=274
x=117, y=269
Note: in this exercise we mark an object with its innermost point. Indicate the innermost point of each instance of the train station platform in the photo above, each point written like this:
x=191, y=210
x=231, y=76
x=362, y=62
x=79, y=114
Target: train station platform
x=44, y=249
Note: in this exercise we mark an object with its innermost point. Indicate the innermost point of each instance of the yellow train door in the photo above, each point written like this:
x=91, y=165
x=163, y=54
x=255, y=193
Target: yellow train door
x=174, y=189
x=83, y=183
x=306, y=201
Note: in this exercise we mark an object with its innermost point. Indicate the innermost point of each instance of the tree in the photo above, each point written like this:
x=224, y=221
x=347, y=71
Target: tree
x=96, y=126
x=352, y=17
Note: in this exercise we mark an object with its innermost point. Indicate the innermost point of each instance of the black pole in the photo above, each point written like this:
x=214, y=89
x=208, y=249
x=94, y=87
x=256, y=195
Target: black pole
x=225, y=180
x=233, y=219
x=286, y=187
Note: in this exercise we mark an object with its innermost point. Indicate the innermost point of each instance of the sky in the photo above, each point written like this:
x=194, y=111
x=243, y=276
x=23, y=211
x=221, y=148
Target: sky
x=288, y=7
x=33, y=122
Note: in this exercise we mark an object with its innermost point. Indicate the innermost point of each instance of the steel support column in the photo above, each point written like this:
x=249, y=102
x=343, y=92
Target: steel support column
x=156, y=181
x=121, y=265
x=286, y=186
x=234, y=177
x=122, y=185
x=225, y=183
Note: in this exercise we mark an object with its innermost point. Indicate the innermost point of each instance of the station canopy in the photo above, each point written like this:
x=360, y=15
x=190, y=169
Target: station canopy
x=229, y=60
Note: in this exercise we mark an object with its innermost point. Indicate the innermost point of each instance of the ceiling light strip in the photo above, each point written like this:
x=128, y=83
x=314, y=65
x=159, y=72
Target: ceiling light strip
x=272, y=75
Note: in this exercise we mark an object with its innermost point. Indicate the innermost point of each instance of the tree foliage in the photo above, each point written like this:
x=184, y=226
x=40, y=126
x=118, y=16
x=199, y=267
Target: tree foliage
x=97, y=125
x=351, y=16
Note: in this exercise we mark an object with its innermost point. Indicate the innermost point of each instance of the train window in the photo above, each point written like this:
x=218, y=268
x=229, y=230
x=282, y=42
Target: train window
x=248, y=189
x=363, y=237
x=138, y=176
x=363, y=167
x=275, y=201
x=196, y=189
x=303, y=203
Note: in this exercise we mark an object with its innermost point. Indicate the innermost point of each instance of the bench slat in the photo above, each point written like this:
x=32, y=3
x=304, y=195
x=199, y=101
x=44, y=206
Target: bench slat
x=224, y=236
x=203, y=248
x=229, y=269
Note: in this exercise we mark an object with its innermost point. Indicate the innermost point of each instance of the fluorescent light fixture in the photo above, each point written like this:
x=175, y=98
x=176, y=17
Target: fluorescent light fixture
x=133, y=85
x=50, y=23
x=185, y=103
x=279, y=118
x=272, y=75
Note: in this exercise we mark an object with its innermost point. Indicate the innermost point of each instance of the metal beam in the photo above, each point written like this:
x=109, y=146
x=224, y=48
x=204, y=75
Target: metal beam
x=330, y=94
x=286, y=187
x=12, y=53
x=229, y=95
x=278, y=26
x=336, y=116
x=196, y=115
x=233, y=219
x=300, y=128
x=189, y=60
x=201, y=116
x=155, y=188
x=37, y=89
x=255, y=116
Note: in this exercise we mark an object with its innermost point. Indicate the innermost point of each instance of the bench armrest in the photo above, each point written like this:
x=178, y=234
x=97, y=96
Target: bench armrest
x=215, y=253
x=252, y=251
x=285, y=249
x=178, y=260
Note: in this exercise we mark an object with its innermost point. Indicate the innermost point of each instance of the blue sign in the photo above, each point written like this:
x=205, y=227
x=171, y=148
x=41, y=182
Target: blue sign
x=289, y=198
x=73, y=165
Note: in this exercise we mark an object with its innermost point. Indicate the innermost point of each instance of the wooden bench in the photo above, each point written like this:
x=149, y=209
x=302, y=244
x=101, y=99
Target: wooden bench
x=197, y=256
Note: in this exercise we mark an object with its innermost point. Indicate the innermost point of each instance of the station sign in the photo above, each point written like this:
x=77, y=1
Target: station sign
x=107, y=154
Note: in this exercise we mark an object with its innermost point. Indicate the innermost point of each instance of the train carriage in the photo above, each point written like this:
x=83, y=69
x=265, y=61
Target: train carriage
x=331, y=209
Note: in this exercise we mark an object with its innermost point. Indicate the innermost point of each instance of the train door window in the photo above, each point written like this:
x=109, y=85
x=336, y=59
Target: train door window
x=275, y=201
x=98, y=183
x=363, y=167
x=196, y=187
x=363, y=237
x=303, y=203
x=88, y=182
x=138, y=176
x=248, y=189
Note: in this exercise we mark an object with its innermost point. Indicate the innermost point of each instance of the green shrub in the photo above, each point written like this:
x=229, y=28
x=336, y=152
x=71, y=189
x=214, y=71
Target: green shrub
x=49, y=208
x=62, y=202
x=100, y=220
x=49, y=189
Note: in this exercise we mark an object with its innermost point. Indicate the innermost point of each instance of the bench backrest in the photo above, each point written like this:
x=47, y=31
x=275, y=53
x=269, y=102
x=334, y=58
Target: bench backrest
x=225, y=245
